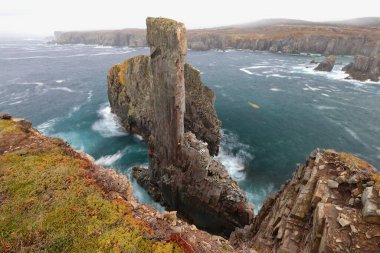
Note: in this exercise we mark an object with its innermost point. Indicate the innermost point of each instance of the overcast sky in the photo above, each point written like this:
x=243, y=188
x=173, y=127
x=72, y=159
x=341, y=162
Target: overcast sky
x=42, y=17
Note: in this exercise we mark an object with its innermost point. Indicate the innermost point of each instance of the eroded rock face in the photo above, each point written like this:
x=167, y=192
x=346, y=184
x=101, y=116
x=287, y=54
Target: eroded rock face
x=130, y=93
x=329, y=205
x=162, y=98
x=364, y=68
x=327, y=65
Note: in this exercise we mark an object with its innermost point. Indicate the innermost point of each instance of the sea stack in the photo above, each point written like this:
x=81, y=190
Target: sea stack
x=162, y=98
x=326, y=65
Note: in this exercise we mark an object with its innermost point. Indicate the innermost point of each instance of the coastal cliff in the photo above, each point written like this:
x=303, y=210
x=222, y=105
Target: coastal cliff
x=364, y=68
x=163, y=99
x=331, y=204
x=55, y=199
x=281, y=36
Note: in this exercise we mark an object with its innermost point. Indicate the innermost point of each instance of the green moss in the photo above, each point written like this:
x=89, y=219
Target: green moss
x=49, y=205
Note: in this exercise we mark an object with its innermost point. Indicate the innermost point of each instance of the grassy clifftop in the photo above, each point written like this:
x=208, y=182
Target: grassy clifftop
x=50, y=203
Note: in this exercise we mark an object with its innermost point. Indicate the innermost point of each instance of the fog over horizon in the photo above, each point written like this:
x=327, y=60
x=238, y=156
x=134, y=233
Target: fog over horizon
x=43, y=17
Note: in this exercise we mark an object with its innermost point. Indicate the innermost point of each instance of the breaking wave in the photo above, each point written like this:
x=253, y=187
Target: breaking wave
x=234, y=155
x=108, y=124
x=108, y=160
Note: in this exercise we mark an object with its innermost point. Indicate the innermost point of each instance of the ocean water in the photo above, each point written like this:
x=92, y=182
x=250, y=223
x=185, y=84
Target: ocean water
x=62, y=89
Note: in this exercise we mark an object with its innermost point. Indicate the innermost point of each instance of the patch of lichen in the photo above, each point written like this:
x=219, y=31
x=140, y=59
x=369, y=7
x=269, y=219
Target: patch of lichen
x=7, y=127
x=354, y=162
x=122, y=70
x=49, y=205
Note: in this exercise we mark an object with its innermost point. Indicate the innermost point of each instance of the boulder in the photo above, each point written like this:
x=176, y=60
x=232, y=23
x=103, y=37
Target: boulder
x=4, y=115
x=326, y=65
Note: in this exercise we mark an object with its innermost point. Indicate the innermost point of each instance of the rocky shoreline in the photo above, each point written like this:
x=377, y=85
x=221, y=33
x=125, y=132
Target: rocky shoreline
x=54, y=198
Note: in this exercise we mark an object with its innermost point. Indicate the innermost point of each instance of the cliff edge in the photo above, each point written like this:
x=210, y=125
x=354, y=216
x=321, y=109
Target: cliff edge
x=55, y=199
x=331, y=204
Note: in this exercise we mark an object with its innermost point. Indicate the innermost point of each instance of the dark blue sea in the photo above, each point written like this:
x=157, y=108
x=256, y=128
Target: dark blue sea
x=62, y=89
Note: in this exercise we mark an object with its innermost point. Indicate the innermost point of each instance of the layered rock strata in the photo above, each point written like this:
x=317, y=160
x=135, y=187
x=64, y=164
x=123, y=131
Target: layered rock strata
x=163, y=99
x=326, y=65
x=364, y=68
x=130, y=93
x=281, y=37
x=331, y=204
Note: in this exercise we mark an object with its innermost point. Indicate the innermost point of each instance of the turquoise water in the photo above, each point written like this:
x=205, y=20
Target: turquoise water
x=63, y=91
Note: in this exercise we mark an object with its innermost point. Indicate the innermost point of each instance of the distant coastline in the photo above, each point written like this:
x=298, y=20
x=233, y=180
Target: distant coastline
x=350, y=37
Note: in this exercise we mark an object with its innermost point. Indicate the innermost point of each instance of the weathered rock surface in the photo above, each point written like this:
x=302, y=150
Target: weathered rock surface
x=4, y=115
x=326, y=65
x=130, y=92
x=329, y=205
x=364, y=68
x=162, y=98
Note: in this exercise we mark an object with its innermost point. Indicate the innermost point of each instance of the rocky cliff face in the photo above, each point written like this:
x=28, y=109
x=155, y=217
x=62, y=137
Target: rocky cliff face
x=130, y=92
x=331, y=204
x=364, y=68
x=162, y=98
x=277, y=37
x=126, y=37
x=316, y=44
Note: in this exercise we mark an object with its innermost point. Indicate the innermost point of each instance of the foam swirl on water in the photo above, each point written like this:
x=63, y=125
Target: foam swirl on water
x=108, y=124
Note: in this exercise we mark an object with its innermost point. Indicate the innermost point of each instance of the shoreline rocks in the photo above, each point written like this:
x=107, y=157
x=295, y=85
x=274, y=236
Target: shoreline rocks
x=326, y=65
x=327, y=206
x=364, y=68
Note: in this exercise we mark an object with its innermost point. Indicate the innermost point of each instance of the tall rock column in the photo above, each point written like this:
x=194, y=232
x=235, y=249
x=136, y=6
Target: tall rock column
x=148, y=94
x=168, y=47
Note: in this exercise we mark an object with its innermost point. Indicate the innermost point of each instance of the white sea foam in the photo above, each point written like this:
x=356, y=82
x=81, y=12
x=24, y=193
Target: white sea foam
x=59, y=81
x=46, y=126
x=324, y=94
x=102, y=47
x=324, y=107
x=89, y=96
x=275, y=89
x=278, y=75
x=257, y=195
x=108, y=124
x=246, y=71
x=35, y=83
x=108, y=160
x=17, y=102
x=233, y=155
x=63, y=89
x=311, y=88
x=353, y=134
x=138, y=137
x=110, y=53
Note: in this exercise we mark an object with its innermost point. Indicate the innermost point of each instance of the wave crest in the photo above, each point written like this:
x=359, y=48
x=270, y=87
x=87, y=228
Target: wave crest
x=108, y=125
